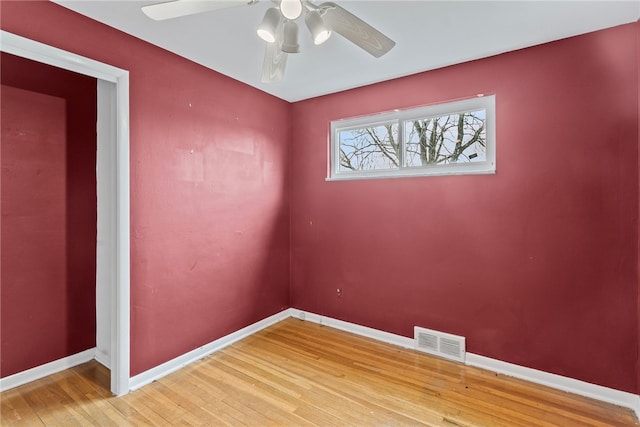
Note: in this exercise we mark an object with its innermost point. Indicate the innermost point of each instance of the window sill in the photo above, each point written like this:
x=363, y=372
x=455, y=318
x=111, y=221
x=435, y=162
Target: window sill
x=409, y=174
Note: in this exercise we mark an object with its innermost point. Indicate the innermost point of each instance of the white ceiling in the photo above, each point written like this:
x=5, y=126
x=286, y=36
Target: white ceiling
x=429, y=35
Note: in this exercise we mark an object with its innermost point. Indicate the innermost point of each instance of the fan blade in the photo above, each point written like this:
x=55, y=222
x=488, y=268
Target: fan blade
x=274, y=63
x=275, y=59
x=355, y=29
x=177, y=8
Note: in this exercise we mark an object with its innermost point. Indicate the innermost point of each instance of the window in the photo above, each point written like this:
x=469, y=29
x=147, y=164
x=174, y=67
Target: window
x=451, y=138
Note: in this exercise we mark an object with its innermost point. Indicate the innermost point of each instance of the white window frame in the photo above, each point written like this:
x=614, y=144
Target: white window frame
x=484, y=102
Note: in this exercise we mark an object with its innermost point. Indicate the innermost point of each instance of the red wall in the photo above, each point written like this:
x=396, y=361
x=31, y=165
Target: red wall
x=638, y=71
x=48, y=214
x=535, y=265
x=209, y=205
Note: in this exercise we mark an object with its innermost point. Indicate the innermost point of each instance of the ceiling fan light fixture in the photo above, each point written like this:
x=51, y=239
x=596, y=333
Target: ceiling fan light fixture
x=267, y=28
x=320, y=33
x=290, y=42
x=279, y=29
x=291, y=9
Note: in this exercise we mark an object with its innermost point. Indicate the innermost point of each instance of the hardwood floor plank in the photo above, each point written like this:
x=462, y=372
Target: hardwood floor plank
x=137, y=401
x=15, y=410
x=298, y=373
x=334, y=373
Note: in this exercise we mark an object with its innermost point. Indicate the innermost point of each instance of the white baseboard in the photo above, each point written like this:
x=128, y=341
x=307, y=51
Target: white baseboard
x=594, y=391
x=103, y=358
x=605, y=394
x=365, y=331
x=173, y=365
x=47, y=369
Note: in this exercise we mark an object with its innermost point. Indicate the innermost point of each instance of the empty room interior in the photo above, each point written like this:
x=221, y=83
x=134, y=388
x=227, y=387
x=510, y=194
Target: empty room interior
x=363, y=213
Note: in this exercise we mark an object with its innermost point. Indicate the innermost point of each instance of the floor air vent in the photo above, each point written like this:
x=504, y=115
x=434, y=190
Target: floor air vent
x=440, y=344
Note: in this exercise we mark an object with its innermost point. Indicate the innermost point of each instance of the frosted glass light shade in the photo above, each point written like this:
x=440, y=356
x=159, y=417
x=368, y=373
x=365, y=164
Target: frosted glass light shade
x=267, y=28
x=291, y=9
x=320, y=33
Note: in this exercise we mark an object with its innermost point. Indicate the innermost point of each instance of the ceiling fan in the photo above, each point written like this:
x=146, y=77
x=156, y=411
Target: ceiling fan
x=280, y=30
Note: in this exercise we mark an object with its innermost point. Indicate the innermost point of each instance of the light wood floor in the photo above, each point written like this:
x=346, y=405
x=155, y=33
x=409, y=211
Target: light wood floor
x=298, y=373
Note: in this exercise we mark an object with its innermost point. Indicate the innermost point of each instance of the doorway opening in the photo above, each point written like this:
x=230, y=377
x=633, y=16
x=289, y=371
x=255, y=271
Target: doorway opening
x=112, y=175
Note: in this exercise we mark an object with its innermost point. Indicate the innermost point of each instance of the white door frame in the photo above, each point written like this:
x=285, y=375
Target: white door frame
x=113, y=262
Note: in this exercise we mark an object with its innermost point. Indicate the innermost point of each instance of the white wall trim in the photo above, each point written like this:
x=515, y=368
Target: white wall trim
x=45, y=370
x=103, y=358
x=571, y=385
x=40, y=52
x=364, y=331
x=119, y=105
x=121, y=297
x=179, y=362
x=106, y=223
x=605, y=394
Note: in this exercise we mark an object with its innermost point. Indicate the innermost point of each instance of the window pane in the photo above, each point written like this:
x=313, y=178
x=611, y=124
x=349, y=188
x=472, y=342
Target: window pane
x=369, y=148
x=455, y=138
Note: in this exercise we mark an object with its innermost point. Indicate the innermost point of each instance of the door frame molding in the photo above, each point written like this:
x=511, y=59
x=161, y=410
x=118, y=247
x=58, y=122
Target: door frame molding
x=115, y=121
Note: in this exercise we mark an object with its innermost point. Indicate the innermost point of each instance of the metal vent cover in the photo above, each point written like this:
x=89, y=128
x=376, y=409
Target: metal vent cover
x=426, y=340
x=440, y=344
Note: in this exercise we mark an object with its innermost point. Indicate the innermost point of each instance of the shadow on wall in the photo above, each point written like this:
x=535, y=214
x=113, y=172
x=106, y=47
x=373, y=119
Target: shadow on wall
x=210, y=234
